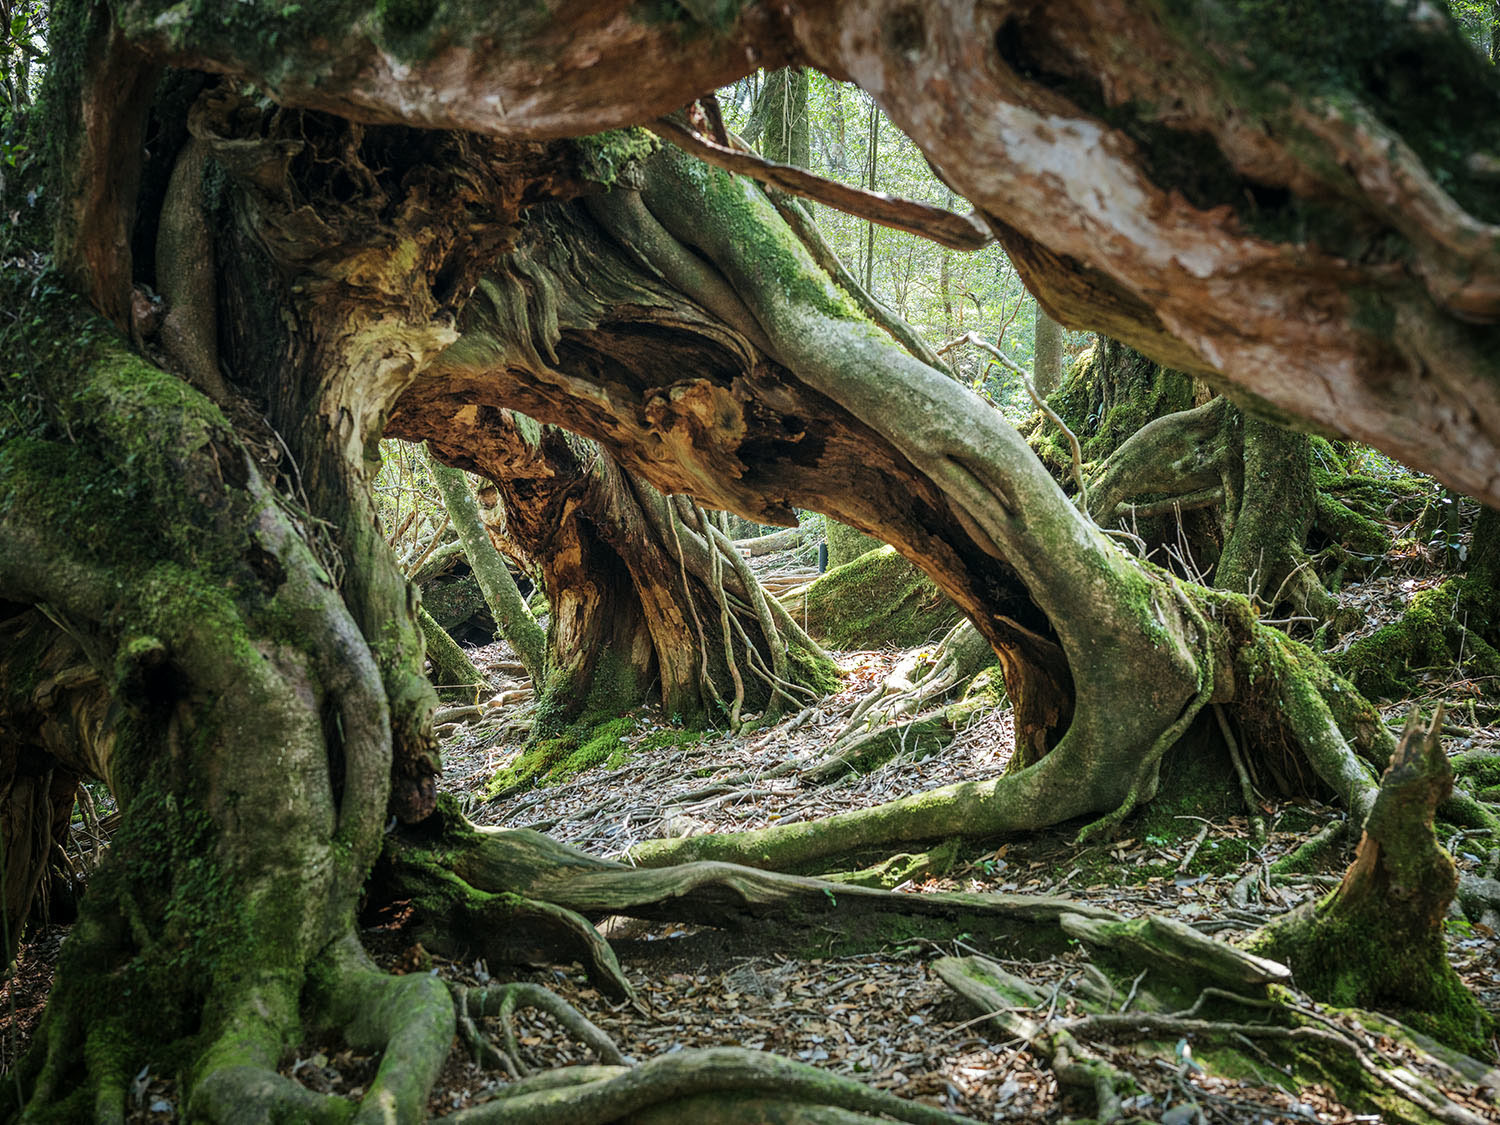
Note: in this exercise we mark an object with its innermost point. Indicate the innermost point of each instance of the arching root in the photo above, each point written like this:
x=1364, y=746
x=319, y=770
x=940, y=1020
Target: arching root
x=1143, y=784
x=713, y=1074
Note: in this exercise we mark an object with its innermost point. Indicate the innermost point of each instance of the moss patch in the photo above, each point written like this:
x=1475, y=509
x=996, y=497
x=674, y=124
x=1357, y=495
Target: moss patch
x=1109, y=393
x=1428, y=637
x=878, y=599
x=583, y=746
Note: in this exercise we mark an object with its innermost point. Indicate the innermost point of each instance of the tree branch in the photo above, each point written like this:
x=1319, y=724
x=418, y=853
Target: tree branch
x=957, y=232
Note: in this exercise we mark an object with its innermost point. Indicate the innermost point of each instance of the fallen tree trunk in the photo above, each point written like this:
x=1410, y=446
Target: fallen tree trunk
x=770, y=544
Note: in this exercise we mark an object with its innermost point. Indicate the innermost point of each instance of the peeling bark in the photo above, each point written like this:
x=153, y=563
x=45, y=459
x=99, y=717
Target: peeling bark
x=1359, y=292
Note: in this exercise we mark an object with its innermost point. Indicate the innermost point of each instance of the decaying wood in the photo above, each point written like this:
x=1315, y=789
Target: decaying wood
x=1379, y=327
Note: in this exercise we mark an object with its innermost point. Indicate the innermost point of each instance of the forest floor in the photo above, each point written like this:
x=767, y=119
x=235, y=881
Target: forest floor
x=882, y=1017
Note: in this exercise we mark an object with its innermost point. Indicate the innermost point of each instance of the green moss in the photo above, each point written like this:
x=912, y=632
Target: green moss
x=404, y=17
x=1346, y=960
x=1343, y=525
x=608, y=158
x=1479, y=770
x=718, y=15
x=985, y=692
x=452, y=601
x=583, y=697
x=902, y=868
x=771, y=245
x=1109, y=393
x=880, y=598
x=812, y=671
x=583, y=746
x=1426, y=638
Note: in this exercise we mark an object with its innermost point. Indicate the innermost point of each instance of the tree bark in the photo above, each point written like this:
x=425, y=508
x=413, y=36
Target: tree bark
x=501, y=593
x=780, y=118
x=1047, y=356
x=1295, y=252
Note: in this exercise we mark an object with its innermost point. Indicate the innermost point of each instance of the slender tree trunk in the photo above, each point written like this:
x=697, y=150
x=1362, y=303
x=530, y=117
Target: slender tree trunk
x=501, y=594
x=871, y=180
x=780, y=115
x=1047, y=357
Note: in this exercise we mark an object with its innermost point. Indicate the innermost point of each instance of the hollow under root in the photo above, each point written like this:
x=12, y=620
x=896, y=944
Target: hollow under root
x=920, y=680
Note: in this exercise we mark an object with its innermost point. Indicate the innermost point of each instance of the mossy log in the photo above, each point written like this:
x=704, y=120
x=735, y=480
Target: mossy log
x=1266, y=1036
x=877, y=599
x=451, y=667
x=846, y=544
x=774, y=543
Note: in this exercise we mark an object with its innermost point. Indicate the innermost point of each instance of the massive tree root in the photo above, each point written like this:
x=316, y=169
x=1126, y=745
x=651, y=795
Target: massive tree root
x=1099, y=698
x=178, y=638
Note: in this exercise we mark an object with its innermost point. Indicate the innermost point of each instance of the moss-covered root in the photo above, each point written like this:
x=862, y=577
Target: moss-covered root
x=249, y=1095
x=714, y=1073
x=410, y=1020
x=1435, y=632
x=505, y=926
x=1337, y=731
x=1286, y=1040
x=1377, y=940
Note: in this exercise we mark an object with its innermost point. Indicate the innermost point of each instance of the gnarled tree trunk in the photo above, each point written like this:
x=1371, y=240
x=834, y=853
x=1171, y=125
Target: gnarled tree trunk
x=238, y=573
